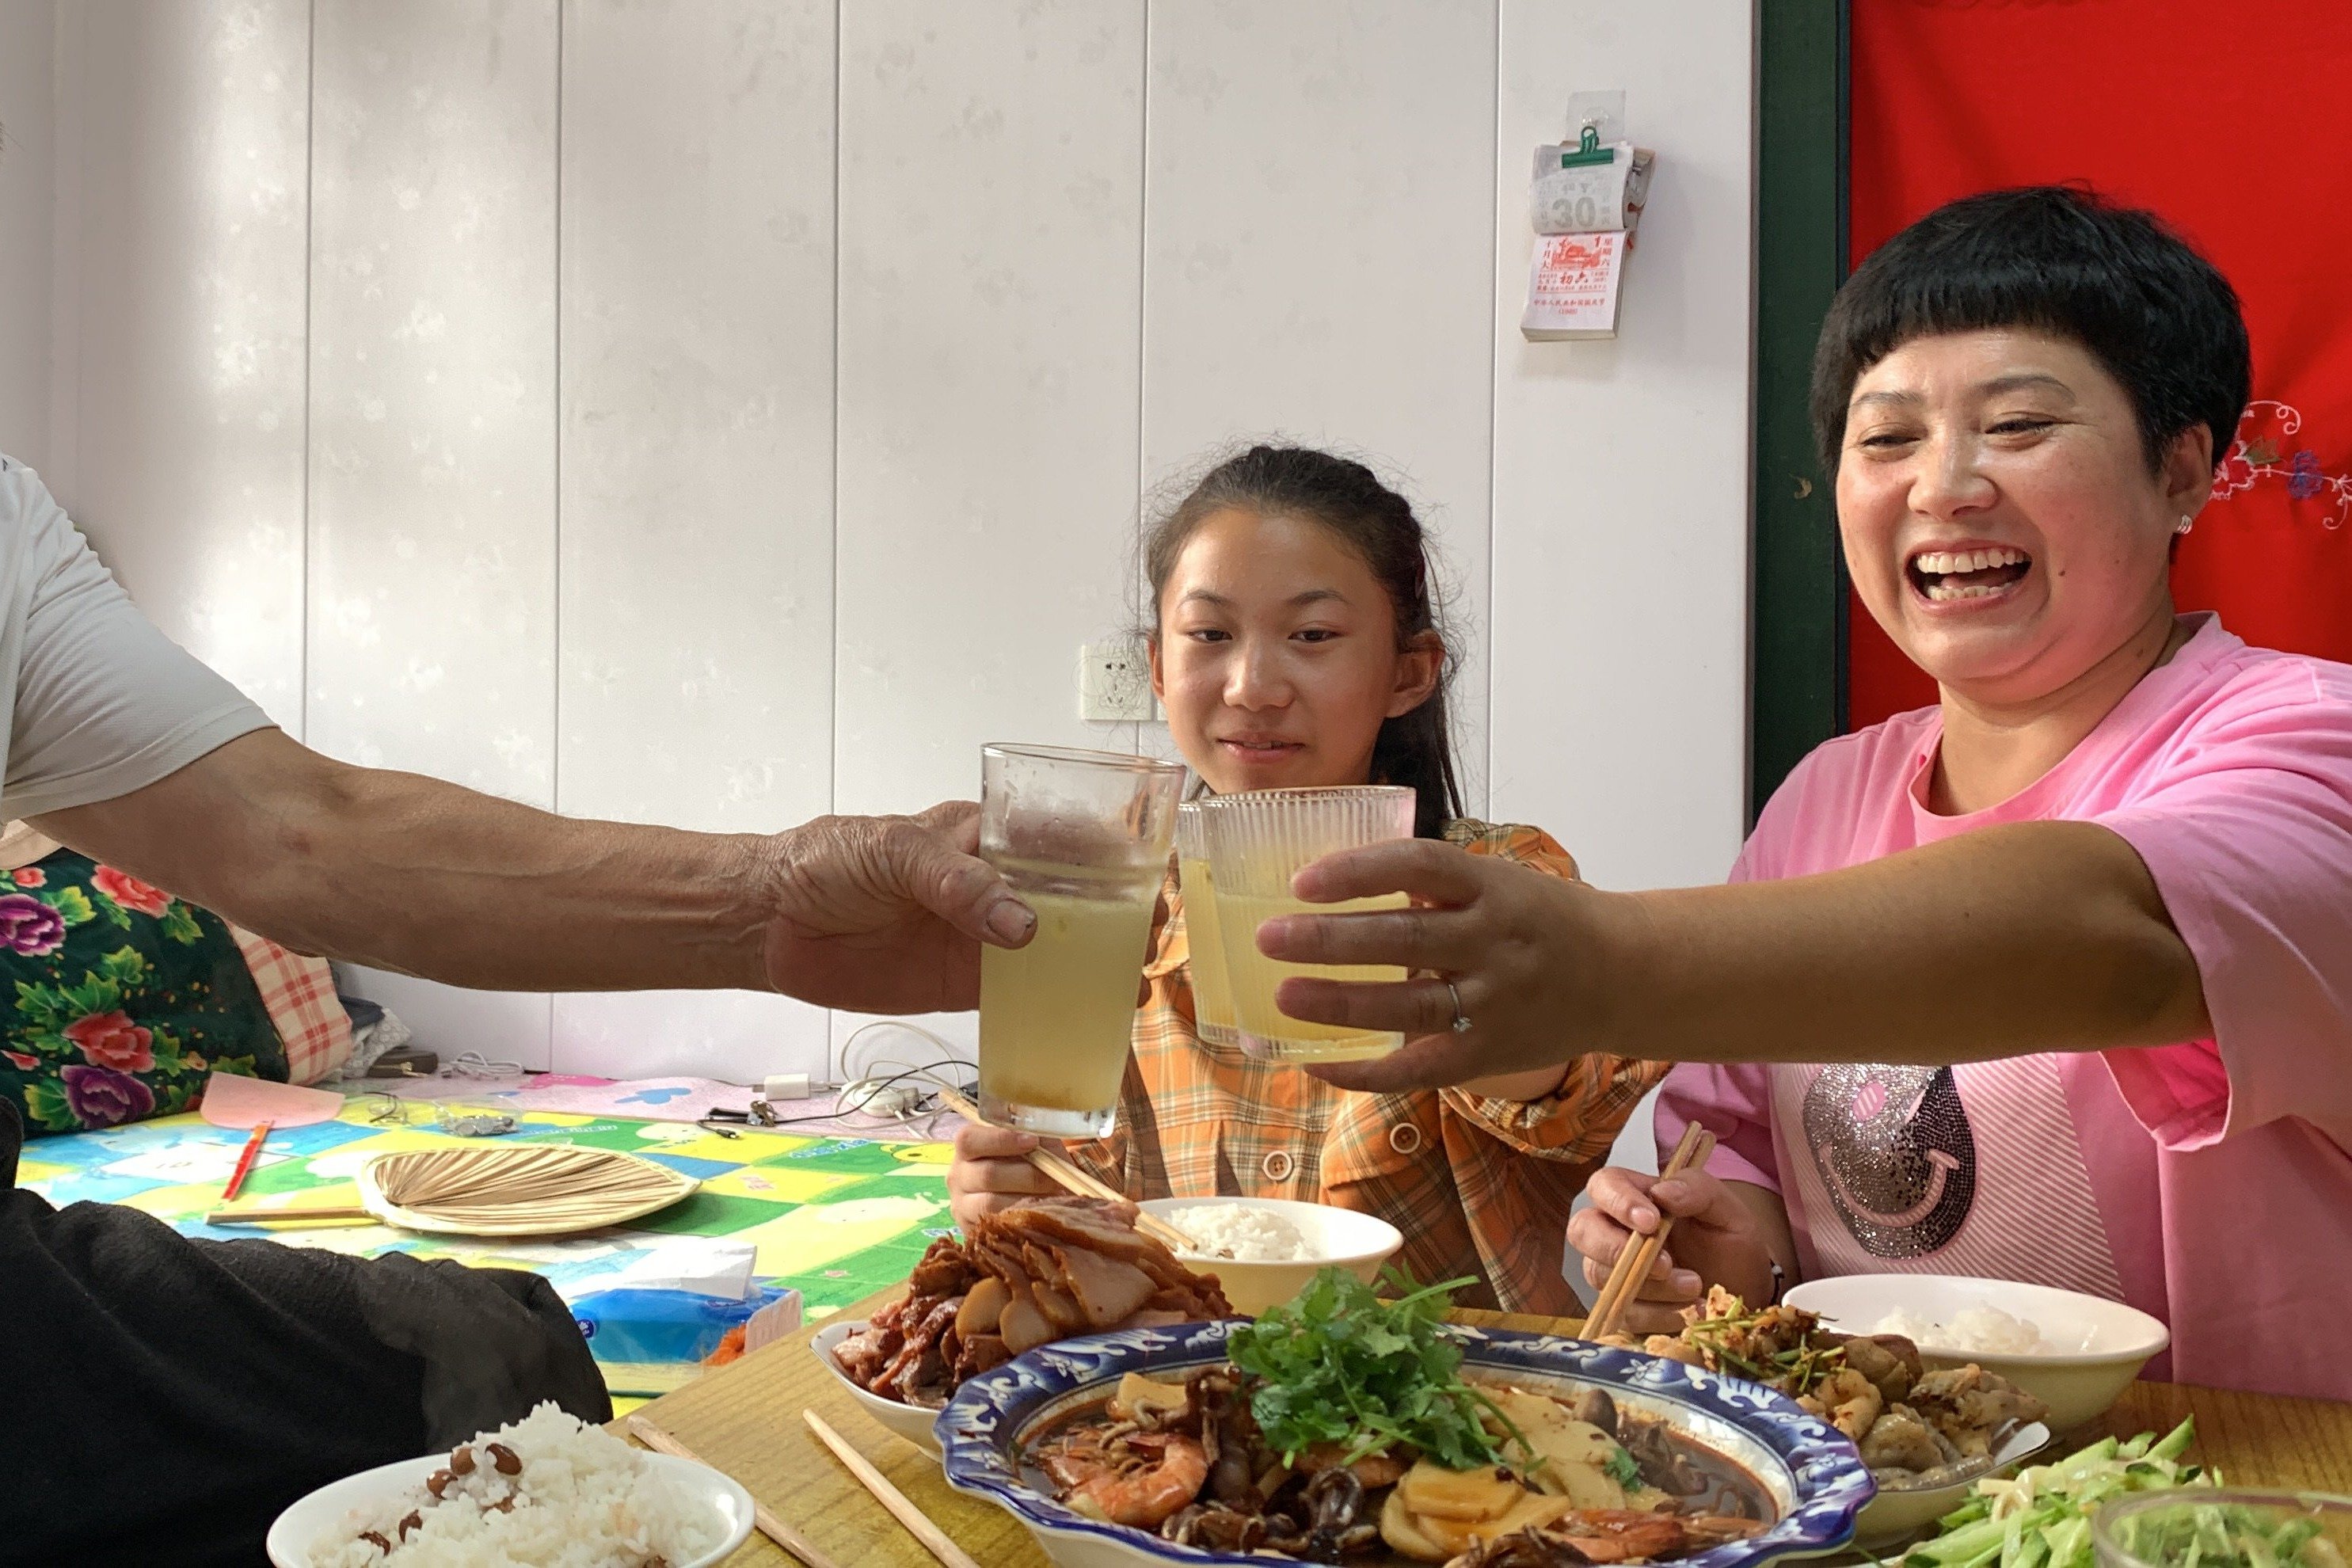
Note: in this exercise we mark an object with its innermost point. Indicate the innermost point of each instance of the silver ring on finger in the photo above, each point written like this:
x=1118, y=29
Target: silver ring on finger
x=1461, y=1019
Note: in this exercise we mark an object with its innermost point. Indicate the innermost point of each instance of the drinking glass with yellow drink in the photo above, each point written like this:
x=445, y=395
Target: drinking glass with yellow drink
x=1083, y=836
x=1257, y=843
x=1213, y=997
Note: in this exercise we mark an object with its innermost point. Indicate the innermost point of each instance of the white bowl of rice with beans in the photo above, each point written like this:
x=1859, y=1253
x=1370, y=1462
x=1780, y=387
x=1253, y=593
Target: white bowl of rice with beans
x=1264, y=1251
x=2075, y=1353
x=547, y=1491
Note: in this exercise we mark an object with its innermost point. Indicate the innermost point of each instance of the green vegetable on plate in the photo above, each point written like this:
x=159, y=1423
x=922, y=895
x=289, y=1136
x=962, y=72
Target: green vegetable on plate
x=2042, y=1517
x=1339, y=1365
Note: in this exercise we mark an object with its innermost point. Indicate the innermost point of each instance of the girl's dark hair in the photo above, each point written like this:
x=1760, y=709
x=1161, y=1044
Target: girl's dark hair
x=2160, y=316
x=1379, y=525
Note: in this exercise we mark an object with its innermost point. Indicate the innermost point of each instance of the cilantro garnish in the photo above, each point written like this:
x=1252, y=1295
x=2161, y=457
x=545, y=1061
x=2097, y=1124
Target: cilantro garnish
x=1624, y=1470
x=1336, y=1365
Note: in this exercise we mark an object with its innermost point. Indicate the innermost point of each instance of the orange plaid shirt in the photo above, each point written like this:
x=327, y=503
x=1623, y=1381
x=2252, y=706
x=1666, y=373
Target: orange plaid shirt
x=1478, y=1186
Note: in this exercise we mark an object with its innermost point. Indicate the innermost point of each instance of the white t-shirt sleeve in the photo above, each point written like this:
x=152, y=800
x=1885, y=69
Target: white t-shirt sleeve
x=104, y=702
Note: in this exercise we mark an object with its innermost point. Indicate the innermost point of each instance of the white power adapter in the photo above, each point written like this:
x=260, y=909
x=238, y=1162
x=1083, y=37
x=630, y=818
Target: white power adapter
x=785, y=1086
x=881, y=1099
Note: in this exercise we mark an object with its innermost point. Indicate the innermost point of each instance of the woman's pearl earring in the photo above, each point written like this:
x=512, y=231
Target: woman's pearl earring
x=2185, y=525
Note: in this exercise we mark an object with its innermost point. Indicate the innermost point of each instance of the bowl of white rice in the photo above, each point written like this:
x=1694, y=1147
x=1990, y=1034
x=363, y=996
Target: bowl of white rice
x=2073, y=1352
x=547, y=1491
x=1264, y=1251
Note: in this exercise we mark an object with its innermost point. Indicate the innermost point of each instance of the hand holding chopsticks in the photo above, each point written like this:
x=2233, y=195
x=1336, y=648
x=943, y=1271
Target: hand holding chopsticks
x=1640, y=1253
x=1071, y=1177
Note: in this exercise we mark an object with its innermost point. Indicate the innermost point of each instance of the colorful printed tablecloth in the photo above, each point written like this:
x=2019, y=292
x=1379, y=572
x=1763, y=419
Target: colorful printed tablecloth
x=835, y=1218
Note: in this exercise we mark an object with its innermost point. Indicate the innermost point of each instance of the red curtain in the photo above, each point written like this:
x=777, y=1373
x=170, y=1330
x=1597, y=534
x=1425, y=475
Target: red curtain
x=2234, y=123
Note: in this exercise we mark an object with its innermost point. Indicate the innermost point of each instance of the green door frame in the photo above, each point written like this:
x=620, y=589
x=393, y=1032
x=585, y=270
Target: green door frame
x=1797, y=664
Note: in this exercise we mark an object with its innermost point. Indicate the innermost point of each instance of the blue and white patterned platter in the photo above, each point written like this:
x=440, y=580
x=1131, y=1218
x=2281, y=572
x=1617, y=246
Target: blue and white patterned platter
x=1813, y=1475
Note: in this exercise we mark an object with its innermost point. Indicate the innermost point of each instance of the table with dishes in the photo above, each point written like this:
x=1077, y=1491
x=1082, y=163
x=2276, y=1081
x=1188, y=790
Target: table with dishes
x=1081, y=1380
x=1086, y=1381
x=745, y=1420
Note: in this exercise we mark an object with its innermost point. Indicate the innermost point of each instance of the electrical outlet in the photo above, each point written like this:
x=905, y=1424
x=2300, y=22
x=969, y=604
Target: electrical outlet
x=1114, y=683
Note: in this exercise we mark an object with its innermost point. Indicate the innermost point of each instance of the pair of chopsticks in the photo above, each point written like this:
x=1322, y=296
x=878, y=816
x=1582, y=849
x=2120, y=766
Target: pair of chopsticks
x=1063, y=1171
x=918, y=1523
x=645, y=1430
x=1641, y=1253
x=659, y=1440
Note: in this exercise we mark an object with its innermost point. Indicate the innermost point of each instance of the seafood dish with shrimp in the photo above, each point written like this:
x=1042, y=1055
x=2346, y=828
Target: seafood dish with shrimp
x=1340, y=1430
x=1041, y=1271
x=1915, y=1427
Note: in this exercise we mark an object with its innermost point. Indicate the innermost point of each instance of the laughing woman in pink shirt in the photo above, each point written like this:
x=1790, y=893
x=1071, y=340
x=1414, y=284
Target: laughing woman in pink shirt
x=2052, y=981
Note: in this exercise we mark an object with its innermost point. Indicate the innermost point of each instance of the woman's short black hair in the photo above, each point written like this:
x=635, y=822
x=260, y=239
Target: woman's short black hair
x=2160, y=316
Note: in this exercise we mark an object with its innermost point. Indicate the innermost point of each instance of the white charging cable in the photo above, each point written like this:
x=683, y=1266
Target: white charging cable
x=897, y=1096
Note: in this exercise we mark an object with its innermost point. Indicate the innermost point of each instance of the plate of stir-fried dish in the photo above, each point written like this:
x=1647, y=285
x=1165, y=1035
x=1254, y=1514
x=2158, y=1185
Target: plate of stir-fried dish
x=1925, y=1434
x=1343, y=1429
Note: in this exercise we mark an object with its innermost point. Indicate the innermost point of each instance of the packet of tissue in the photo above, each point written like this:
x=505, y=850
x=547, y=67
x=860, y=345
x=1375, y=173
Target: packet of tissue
x=656, y=1318
x=674, y=1329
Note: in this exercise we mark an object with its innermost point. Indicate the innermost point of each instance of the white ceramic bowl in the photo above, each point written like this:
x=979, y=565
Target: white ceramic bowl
x=1899, y=1511
x=2100, y=1345
x=299, y=1527
x=911, y=1421
x=1359, y=1243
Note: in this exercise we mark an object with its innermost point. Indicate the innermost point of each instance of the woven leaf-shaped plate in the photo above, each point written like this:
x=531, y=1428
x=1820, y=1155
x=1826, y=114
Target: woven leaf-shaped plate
x=516, y=1189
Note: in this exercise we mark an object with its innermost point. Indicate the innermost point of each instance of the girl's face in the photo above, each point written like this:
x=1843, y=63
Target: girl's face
x=1277, y=657
x=1998, y=517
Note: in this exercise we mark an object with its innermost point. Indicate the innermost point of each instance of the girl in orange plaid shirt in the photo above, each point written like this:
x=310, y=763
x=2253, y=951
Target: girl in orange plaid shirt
x=1297, y=643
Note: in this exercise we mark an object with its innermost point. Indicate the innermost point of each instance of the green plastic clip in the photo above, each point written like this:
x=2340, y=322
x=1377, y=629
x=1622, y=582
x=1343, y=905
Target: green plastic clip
x=1589, y=151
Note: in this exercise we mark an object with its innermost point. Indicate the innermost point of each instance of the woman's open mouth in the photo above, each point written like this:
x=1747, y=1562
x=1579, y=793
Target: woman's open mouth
x=1951, y=576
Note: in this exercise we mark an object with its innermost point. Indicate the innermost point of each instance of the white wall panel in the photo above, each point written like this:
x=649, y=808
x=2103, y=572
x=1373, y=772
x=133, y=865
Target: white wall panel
x=990, y=197
x=805, y=462
x=1319, y=226
x=697, y=319
x=27, y=224
x=190, y=215
x=432, y=427
x=1620, y=638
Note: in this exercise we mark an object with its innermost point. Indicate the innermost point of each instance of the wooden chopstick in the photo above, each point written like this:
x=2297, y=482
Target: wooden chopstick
x=1071, y=1178
x=1634, y=1263
x=918, y=1523
x=661, y=1442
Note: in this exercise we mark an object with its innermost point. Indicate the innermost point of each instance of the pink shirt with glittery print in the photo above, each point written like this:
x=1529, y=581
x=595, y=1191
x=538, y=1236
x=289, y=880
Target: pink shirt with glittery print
x=2208, y=1182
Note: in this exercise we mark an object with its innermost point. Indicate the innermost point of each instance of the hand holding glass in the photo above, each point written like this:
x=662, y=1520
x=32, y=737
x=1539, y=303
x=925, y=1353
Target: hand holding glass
x=1083, y=836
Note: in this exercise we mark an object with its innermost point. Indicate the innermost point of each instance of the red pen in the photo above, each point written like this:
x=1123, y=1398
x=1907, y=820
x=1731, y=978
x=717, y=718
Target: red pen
x=244, y=1160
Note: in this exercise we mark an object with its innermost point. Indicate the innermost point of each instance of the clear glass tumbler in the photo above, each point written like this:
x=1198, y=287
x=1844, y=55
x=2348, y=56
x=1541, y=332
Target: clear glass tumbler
x=1083, y=836
x=1212, y=995
x=1256, y=842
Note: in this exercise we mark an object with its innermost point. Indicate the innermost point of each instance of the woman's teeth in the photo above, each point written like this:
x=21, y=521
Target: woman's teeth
x=1951, y=574
x=1943, y=591
x=1941, y=560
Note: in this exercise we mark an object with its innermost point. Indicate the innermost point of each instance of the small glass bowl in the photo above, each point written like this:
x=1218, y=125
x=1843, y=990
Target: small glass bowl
x=2158, y=1530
